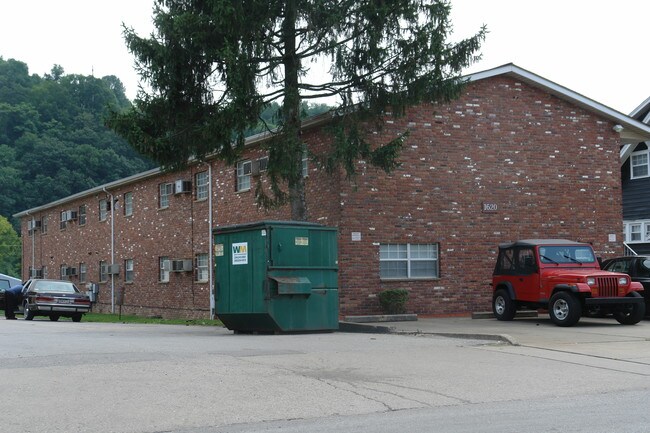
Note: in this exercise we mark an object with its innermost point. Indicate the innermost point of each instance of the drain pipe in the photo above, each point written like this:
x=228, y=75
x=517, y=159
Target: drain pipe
x=112, y=250
x=213, y=305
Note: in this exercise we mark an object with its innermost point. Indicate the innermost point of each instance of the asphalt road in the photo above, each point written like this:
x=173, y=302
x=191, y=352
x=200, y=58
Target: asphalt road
x=86, y=377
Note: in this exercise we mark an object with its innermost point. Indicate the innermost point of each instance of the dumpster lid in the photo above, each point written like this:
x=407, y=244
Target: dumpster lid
x=267, y=223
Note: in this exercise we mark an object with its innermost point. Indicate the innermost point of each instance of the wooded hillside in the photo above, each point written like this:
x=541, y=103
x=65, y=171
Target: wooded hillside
x=53, y=141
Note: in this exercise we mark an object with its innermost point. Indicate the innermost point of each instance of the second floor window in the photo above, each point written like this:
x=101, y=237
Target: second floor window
x=201, y=183
x=166, y=190
x=128, y=204
x=244, y=175
x=103, y=209
x=82, y=215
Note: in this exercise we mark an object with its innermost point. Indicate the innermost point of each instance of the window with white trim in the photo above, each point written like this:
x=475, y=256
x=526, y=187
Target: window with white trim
x=83, y=270
x=305, y=163
x=128, y=270
x=637, y=231
x=128, y=204
x=201, y=182
x=103, y=209
x=408, y=261
x=165, y=265
x=82, y=215
x=639, y=165
x=103, y=271
x=244, y=175
x=202, y=267
x=165, y=190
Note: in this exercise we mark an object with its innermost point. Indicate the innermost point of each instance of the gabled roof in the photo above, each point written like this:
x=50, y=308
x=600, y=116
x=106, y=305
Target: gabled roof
x=642, y=112
x=633, y=130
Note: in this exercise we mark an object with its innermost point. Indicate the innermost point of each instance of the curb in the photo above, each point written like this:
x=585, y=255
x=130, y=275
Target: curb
x=381, y=329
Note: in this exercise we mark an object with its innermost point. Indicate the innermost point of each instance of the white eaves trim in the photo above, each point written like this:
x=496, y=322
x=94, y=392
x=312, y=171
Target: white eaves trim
x=640, y=108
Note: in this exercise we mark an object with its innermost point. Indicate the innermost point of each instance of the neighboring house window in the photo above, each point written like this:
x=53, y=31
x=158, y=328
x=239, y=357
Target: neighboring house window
x=244, y=175
x=103, y=271
x=165, y=265
x=165, y=191
x=128, y=270
x=82, y=215
x=201, y=183
x=637, y=231
x=639, y=164
x=201, y=267
x=44, y=225
x=103, y=209
x=408, y=261
x=82, y=272
x=128, y=204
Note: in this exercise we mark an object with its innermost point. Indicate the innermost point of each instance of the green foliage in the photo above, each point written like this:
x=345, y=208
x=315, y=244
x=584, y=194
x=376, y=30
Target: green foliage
x=10, y=249
x=214, y=65
x=53, y=140
x=393, y=301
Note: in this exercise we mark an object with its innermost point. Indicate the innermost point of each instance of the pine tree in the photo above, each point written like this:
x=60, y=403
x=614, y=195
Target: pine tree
x=214, y=65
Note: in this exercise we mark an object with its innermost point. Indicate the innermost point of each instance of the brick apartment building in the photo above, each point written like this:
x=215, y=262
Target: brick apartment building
x=516, y=156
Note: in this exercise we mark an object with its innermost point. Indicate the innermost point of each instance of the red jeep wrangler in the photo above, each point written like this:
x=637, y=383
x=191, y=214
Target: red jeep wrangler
x=563, y=277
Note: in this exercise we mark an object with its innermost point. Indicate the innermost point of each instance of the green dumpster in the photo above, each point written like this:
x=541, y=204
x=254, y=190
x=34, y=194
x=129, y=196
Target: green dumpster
x=276, y=276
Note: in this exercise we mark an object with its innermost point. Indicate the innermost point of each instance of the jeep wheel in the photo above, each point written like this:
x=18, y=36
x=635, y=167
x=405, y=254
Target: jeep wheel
x=502, y=306
x=564, y=309
x=630, y=314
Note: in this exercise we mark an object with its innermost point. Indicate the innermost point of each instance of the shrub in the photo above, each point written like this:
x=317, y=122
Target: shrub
x=394, y=301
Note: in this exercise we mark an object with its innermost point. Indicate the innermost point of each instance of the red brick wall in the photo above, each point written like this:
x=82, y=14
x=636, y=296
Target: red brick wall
x=551, y=168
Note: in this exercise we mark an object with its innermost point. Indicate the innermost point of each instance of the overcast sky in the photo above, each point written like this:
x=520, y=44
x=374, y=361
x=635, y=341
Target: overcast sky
x=594, y=47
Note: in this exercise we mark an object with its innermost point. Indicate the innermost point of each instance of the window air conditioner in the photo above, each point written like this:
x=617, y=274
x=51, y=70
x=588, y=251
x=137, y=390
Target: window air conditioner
x=182, y=186
x=181, y=265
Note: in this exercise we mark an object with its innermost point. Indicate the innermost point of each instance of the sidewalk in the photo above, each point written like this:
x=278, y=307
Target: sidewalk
x=528, y=331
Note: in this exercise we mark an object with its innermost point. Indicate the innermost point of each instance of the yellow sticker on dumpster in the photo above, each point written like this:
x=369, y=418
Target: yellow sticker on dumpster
x=302, y=241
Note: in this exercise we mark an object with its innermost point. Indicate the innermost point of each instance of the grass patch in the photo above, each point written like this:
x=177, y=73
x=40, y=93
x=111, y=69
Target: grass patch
x=115, y=318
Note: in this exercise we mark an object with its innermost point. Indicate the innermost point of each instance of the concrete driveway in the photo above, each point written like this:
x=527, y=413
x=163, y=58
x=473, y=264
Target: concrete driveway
x=81, y=377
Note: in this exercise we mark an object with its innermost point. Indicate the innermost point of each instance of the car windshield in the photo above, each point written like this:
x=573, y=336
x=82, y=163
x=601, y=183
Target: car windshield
x=566, y=254
x=54, y=287
x=4, y=284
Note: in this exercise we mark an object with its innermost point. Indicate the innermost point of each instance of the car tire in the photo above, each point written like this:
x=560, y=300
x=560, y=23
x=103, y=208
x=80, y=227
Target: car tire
x=564, y=309
x=76, y=317
x=54, y=317
x=503, y=306
x=630, y=314
x=28, y=314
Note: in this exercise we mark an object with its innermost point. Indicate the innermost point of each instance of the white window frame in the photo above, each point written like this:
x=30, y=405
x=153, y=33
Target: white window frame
x=128, y=203
x=165, y=190
x=128, y=270
x=646, y=164
x=244, y=169
x=82, y=272
x=103, y=274
x=201, y=181
x=202, y=265
x=407, y=254
x=164, y=265
x=82, y=215
x=305, y=163
x=103, y=209
x=637, y=229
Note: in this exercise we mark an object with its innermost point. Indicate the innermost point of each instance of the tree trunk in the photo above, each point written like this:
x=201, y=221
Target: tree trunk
x=291, y=114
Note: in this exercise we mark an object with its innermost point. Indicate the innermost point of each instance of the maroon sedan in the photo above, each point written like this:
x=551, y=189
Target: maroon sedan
x=53, y=298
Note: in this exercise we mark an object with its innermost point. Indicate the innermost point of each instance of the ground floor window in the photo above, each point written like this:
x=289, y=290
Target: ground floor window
x=165, y=266
x=202, y=267
x=637, y=231
x=128, y=270
x=398, y=261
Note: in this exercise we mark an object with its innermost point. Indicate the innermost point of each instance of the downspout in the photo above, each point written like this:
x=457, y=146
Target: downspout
x=29, y=275
x=210, y=247
x=112, y=249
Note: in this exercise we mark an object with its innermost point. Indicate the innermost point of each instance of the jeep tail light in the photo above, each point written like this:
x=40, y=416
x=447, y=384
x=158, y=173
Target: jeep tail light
x=622, y=281
x=591, y=281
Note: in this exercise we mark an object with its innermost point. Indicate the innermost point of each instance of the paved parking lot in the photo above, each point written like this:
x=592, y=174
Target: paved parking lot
x=80, y=377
